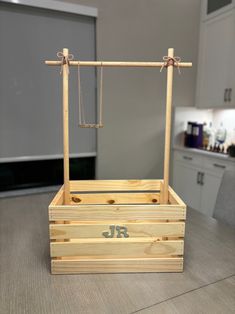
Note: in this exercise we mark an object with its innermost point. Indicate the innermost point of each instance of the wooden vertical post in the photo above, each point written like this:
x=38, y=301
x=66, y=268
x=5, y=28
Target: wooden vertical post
x=66, y=127
x=170, y=70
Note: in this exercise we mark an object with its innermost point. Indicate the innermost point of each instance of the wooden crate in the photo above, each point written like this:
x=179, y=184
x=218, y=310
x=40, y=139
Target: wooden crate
x=116, y=226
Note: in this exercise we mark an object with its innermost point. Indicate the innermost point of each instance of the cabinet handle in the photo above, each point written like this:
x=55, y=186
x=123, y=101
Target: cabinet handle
x=198, y=177
x=229, y=94
x=188, y=158
x=226, y=95
x=219, y=166
x=202, y=178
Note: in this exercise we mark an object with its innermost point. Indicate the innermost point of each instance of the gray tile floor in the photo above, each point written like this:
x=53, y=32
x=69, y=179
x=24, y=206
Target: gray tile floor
x=207, y=284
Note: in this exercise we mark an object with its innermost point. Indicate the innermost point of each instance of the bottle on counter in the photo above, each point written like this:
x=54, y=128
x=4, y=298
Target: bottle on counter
x=220, y=135
x=206, y=136
x=233, y=137
x=211, y=131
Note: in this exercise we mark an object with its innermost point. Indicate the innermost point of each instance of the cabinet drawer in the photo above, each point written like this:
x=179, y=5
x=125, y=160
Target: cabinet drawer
x=188, y=158
x=215, y=166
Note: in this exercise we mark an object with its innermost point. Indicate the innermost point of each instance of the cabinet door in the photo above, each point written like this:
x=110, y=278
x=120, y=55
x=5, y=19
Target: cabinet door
x=185, y=184
x=209, y=191
x=215, y=60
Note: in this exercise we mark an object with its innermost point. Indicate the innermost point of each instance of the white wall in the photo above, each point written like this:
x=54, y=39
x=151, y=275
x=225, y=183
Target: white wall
x=131, y=144
x=215, y=116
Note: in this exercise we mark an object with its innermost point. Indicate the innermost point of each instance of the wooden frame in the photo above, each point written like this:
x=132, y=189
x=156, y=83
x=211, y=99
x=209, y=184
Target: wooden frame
x=155, y=239
x=117, y=225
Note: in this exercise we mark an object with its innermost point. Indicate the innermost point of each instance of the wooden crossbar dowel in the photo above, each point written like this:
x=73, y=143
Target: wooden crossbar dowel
x=117, y=64
x=170, y=70
x=66, y=129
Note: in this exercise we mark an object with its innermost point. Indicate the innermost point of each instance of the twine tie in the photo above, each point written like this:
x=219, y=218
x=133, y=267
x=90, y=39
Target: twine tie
x=174, y=61
x=64, y=60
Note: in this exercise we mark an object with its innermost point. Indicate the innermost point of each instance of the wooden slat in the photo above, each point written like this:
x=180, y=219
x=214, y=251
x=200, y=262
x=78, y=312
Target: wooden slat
x=161, y=192
x=118, y=247
x=134, y=229
x=117, y=265
x=116, y=212
x=114, y=185
x=115, y=198
x=174, y=198
x=58, y=199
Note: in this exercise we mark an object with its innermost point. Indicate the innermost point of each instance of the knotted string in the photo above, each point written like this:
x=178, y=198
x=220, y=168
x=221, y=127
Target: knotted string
x=171, y=61
x=65, y=60
x=81, y=108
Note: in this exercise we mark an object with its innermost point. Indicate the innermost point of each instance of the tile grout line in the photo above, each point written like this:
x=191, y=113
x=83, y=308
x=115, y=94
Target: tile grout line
x=179, y=295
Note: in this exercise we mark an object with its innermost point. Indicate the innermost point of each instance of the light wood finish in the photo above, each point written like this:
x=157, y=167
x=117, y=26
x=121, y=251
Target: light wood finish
x=24, y=254
x=174, y=198
x=94, y=229
x=161, y=191
x=154, y=231
x=113, y=208
x=66, y=126
x=115, y=198
x=59, y=197
x=130, y=265
x=117, y=64
x=117, y=247
x=102, y=64
x=114, y=185
x=170, y=71
x=151, y=230
x=116, y=212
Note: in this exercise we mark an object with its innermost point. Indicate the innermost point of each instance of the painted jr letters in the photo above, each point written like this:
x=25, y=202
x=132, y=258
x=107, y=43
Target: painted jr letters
x=121, y=232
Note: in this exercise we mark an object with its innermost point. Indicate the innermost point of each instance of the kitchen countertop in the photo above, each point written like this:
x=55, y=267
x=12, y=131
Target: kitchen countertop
x=204, y=152
x=207, y=284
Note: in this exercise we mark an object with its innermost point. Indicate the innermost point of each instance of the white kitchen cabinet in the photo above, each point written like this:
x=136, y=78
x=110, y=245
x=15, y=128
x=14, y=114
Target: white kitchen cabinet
x=209, y=191
x=197, y=178
x=215, y=79
x=185, y=183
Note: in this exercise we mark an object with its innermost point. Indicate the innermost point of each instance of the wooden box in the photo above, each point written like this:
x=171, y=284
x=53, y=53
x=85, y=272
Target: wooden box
x=116, y=226
x=110, y=226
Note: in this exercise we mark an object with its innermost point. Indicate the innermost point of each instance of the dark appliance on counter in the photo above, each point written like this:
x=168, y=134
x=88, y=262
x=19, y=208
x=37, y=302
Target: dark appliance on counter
x=231, y=150
x=194, y=135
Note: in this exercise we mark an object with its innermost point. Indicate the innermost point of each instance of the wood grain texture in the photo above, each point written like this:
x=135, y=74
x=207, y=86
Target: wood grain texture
x=135, y=229
x=130, y=265
x=115, y=198
x=70, y=236
x=114, y=185
x=26, y=285
x=116, y=63
x=116, y=212
x=117, y=247
x=66, y=127
x=174, y=198
x=167, y=148
x=58, y=198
